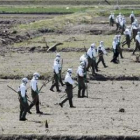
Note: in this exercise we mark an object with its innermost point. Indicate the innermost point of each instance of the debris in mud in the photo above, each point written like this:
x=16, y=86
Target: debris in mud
x=2, y=129
x=32, y=49
x=54, y=47
x=122, y=110
x=95, y=32
x=46, y=124
x=45, y=30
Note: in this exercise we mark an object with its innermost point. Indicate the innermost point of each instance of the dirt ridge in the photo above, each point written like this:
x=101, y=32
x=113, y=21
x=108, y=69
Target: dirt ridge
x=97, y=77
x=41, y=49
x=67, y=137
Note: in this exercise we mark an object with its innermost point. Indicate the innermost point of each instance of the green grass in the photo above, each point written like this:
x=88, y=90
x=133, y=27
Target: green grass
x=100, y=10
x=42, y=9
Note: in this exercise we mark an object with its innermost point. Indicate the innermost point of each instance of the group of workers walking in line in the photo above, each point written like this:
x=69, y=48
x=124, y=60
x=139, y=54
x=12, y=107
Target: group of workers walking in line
x=87, y=61
x=131, y=32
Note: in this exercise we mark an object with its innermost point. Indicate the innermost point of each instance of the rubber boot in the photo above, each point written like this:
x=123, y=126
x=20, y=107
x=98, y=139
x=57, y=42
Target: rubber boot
x=20, y=115
x=83, y=93
x=71, y=104
x=38, y=110
x=52, y=88
x=79, y=96
x=24, y=115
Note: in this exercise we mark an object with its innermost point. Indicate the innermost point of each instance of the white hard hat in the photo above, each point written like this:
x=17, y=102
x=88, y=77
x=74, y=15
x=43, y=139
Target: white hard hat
x=36, y=74
x=58, y=55
x=101, y=42
x=69, y=70
x=25, y=80
x=127, y=30
x=92, y=45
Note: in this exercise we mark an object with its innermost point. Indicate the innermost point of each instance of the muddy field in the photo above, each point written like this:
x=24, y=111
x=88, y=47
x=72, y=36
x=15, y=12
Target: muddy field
x=110, y=111
x=112, y=108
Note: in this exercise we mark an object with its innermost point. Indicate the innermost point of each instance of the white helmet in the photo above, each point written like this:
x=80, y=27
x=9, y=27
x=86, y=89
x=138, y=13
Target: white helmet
x=36, y=75
x=69, y=70
x=92, y=45
x=25, y=80
x=58, y=55
x=101, y=42
x=127, y=30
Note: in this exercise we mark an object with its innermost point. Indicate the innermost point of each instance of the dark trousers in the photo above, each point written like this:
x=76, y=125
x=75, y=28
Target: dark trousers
x=136, y=47
x=120, y=51
x=127, y=41
x=94, y=66
x=24, y=107
x=115, y=56
x=69, y=95
x=35, y=101
x=117, y=26
x=111, y=22
x=101, y=59
x=132, y=20
x=60, y=78
x=134, y=33
x=122, y=28
x=81, y=86
x=89, y=63
x=55, y=82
